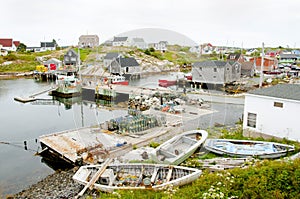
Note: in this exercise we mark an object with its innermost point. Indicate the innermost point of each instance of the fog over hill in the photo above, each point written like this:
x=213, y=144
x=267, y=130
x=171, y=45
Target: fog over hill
x=154, y=35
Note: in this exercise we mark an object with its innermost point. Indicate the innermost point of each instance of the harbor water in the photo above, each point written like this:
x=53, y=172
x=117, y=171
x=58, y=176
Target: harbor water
x=20, y=167
x=21, y=123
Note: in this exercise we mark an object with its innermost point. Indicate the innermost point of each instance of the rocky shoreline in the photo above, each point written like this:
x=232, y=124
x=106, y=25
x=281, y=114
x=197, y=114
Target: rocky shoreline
x=55, y=186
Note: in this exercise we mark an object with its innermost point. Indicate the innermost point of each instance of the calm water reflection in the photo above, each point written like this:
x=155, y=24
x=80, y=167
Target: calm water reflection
x=26, y=122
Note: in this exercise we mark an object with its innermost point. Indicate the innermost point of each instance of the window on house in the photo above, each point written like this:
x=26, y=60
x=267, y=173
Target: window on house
x=251, y=120
x=227, y=68
x=278, y=104
x=214, y=76
x=215, y=69
x=200, y=68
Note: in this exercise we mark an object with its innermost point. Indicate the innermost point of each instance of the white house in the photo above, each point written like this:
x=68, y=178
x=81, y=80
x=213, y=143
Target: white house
x=121, y=41
x=273, y=112
x=47, y=46
x=139, y=43
x=8, y=44
x=161, y=46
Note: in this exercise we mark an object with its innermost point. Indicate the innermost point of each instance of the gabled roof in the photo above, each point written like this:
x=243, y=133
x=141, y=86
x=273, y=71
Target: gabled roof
x=284, y=91
x=234, y=56
x=138, y=40
x=111, y=55
x=73, y=53
x=127, y=62
x=6, y=42
x=209, y=64
x=120, y=39
x=47, y=44
x=17, y=43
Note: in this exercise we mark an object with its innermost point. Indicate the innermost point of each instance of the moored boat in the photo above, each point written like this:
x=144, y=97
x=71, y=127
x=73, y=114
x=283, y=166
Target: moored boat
x=179, y=148
x=171, y=80
x=117, y=79
x=135, y=176
x=247, y=148
x=68, y=85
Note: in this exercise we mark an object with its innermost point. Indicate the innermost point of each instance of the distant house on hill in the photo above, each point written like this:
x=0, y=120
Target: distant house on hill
x=161, y=46
x=88, y=41
x=272, y=112
x=109, y=57
x=47, y=46
x=125, y=66
x=139, y=43
x=195, y=49
x=71, y=58
x=206, y=48
x=216, y=72
x=8, y=44
x=121, y=41
x=270, y=64
x=236, y=57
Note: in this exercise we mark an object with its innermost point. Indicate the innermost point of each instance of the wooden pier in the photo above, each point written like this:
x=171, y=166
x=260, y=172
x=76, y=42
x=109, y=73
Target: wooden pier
x=94, y=144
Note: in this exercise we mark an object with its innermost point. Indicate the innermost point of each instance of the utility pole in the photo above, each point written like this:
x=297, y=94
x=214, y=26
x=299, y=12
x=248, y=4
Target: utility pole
x=261, y=66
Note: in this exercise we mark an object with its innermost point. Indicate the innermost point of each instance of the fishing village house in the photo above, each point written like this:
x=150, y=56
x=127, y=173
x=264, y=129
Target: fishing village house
x=206, y=49
x=247, y=67
x=160, y=46
x=52, y=64
x=216, y=73
x=139, y=43
x=9, y=44
x=273, y=112
x=270, y=63
x=71, y=58
x=109, y=57
x=287, y=59
x=47, y=46
x=121, y=41
x=88, y=41
x=127, y=67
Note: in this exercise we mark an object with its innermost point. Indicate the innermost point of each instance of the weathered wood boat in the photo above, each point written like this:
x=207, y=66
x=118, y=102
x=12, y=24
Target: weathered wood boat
x=179, y=148
x=134, y=176
x=247, y=148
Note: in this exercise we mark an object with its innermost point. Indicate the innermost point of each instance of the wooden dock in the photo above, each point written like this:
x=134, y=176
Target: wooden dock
x=94, y=144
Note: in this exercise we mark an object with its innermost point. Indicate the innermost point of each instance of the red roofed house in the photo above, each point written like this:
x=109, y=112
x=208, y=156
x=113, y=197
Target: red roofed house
x=17, y=43
x=270, y=63
x=8, y=44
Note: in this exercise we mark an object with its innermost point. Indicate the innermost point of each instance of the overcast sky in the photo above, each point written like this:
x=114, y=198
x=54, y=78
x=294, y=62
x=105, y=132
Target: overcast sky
x=238, y=23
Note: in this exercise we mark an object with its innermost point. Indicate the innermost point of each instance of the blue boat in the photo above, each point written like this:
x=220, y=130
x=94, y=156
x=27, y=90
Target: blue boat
x=247, y=148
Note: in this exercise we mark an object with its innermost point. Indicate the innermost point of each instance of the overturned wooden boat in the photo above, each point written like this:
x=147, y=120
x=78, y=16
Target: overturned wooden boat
x=247, y=148
x=134, y=176
x=179, y=148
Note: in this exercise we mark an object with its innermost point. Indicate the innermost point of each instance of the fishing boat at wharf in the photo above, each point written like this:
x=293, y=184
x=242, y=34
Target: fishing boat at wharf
x=134, y=176
x=248, y=148
x=179, y=148
x=117, y=79
x=68, y=85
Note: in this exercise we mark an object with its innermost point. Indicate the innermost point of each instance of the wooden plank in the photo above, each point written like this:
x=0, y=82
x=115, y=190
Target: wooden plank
x=95, y=177
x=169, y=173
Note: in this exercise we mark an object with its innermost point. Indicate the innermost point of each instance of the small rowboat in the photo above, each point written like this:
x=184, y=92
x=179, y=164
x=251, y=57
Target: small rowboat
x=247, y=148
x=134, y=176
x=179, y=148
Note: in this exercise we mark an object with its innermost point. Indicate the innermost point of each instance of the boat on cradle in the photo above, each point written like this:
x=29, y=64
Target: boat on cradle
x=134, y=176
x=117, y=79
x=68, y=85
x=179, y=148
x=247, y=148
